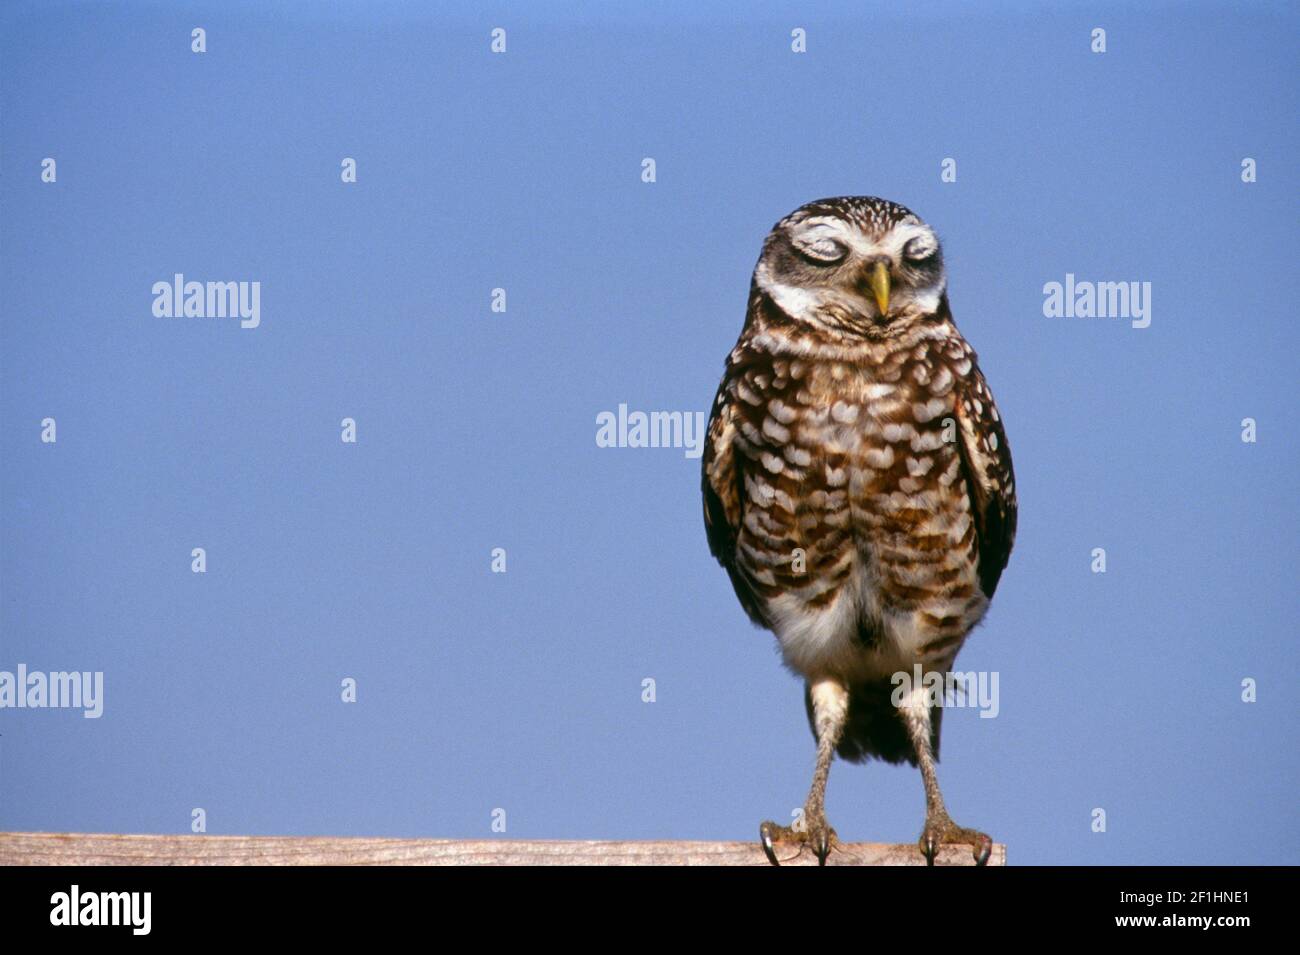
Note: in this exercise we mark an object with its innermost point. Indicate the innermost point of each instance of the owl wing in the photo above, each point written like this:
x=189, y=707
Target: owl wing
x=986, y=460
x=723, y=486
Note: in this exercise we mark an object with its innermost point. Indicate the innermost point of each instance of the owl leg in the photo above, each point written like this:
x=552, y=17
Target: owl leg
x=830, y=700
x=939, y=828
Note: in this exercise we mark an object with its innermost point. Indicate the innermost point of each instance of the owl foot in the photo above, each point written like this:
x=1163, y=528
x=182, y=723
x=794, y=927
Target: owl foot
x=940, y=830
x=812, y=831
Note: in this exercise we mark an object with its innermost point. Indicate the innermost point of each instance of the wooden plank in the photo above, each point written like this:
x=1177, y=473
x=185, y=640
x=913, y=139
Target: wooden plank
x=72, y=848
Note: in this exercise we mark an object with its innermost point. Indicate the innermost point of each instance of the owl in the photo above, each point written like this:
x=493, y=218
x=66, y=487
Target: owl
x=858, y=490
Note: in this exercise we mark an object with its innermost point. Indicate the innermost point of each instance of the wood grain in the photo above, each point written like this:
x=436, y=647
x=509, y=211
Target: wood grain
x=52, y=848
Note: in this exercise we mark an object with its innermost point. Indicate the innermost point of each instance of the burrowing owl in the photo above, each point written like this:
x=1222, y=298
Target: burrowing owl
x=858, y=488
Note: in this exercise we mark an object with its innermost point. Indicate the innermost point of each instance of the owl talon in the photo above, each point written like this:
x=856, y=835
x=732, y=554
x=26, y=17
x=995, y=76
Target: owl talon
x=823, y=842
x=766, y=835
x=940, y=830
x=814, y=834
x=928, y=849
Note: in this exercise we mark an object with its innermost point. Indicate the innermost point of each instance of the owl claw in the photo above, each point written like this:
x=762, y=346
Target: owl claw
x=765, y=835
x=815, y=834
x=928, y=849
x=822, y=844
x=940, y=830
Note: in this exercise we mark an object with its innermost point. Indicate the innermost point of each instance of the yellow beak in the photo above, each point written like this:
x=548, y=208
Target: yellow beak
x=878, y=281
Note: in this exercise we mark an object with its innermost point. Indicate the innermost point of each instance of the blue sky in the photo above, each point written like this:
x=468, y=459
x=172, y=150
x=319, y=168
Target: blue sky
x=522, y=691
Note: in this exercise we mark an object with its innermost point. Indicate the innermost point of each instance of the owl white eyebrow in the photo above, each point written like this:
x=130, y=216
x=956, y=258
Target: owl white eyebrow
x=819, y=227
x=832, y=221
x=903, y=234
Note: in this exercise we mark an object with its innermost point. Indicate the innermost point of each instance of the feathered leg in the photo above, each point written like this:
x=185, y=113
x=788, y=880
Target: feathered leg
x=939, y=827
x=830, y=700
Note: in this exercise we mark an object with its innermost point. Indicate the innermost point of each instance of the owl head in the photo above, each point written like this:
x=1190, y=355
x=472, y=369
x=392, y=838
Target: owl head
x=856, y=263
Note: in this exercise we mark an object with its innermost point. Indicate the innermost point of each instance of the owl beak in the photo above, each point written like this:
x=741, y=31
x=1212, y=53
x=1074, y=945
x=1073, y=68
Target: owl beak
x=878, y=282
